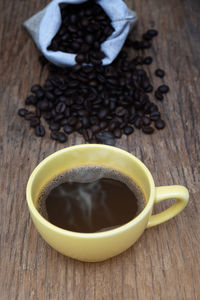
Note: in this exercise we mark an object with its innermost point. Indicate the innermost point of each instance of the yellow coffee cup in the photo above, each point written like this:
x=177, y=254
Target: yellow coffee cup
x=102, y=245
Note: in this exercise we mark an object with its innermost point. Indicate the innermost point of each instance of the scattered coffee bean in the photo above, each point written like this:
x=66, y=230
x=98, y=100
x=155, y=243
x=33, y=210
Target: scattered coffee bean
x=146, y=121
x=163, y=89
x=148, y=60
x=22, y=112
x=39, y=130
x=160, y=73
x=62, y=138
x=54, y=126
x=68, y=129
x=99, y=102
x=159, y=124
x=31, y=100
x=117, y=133
x=54, y=135
x=34, y=122
x=159, y=95
x=152, y=32
x=149, y=89
x=128, y=130
x=105, y=137
x=147, y=129
x=155, y=115
x=147, y=37
x=35, y=88
x=40, y=94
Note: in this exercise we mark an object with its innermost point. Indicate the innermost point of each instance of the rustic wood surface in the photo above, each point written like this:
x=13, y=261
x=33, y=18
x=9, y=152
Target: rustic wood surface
x=165, y=262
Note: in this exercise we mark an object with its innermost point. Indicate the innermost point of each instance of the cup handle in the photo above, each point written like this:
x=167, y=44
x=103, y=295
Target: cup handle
x=179, y=192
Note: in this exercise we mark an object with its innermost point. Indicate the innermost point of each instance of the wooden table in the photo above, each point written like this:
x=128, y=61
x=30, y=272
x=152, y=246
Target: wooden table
x=165, y=262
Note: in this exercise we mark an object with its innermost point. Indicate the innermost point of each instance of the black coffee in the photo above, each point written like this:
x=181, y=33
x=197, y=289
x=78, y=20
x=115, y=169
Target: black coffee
x=90, y=199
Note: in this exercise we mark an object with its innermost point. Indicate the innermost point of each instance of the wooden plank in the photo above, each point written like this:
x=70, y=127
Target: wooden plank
x=164, y=263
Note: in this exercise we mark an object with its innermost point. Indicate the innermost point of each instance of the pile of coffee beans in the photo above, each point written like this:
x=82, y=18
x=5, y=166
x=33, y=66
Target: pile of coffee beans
x=99, y=102
x=84, y=27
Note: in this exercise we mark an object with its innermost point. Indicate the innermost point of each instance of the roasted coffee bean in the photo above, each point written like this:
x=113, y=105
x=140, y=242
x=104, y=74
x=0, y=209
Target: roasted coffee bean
x=48, y=86
x=77, y=68
x=22, y=112
x=78, y=125
x=138, y=122
x=38, y=112
x=140, y=113
x=94, y=120
x=159, y=124
x=43, y=105
x=34, y=122
x=85, y=122
x=147, y=129
x=80, y=58
x=47, y=115
x=60, y=108
x=163, y=89
x=112, y=125
x=39, y=130
x=160, y=73
x=103, y=124
x=145, y=44
x=63, y=122
x=35, y=88
x=153, y=108
x=50, y=96
x=95, y=128
x=149, y=89
x=76, y=46
x=54, y=135
x=155, y=115
x=40, y=94
x=72, y=121
x=159, y=95
x=84, y=21
x=146, y=121
x=83, y=113
x=68, y=129
x=29, y=116
x=58, y=92
x=152, y=32
x=58, y=117
x=117, y=133
x=31, y=100
x=120, y=111
x=65, y=37
x=103, y=113
x=62, y=99
x=128, y=130
x=105, y=137
x=148, y=60
x=84, y=48
x=89, y=38
x=54, y=126
x=147, y=37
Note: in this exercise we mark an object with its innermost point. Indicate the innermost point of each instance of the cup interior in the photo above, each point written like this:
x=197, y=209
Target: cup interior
x=87, y=155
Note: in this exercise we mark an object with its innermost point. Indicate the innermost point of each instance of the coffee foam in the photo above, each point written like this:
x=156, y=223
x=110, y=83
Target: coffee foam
x=86, y=198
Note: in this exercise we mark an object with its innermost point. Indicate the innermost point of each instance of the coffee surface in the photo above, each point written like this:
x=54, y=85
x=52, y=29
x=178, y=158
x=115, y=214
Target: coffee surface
x=90, y=199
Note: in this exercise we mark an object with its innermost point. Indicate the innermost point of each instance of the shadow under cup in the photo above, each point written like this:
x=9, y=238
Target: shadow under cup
x=91, y=246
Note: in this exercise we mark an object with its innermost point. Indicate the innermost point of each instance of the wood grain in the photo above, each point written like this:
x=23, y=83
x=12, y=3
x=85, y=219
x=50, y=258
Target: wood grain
x=165, y=262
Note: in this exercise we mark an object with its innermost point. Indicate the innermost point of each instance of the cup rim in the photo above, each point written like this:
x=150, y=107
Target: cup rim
x=114, y=231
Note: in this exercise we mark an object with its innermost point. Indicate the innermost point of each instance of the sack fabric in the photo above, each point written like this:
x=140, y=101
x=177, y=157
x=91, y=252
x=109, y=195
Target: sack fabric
x=44, y=25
